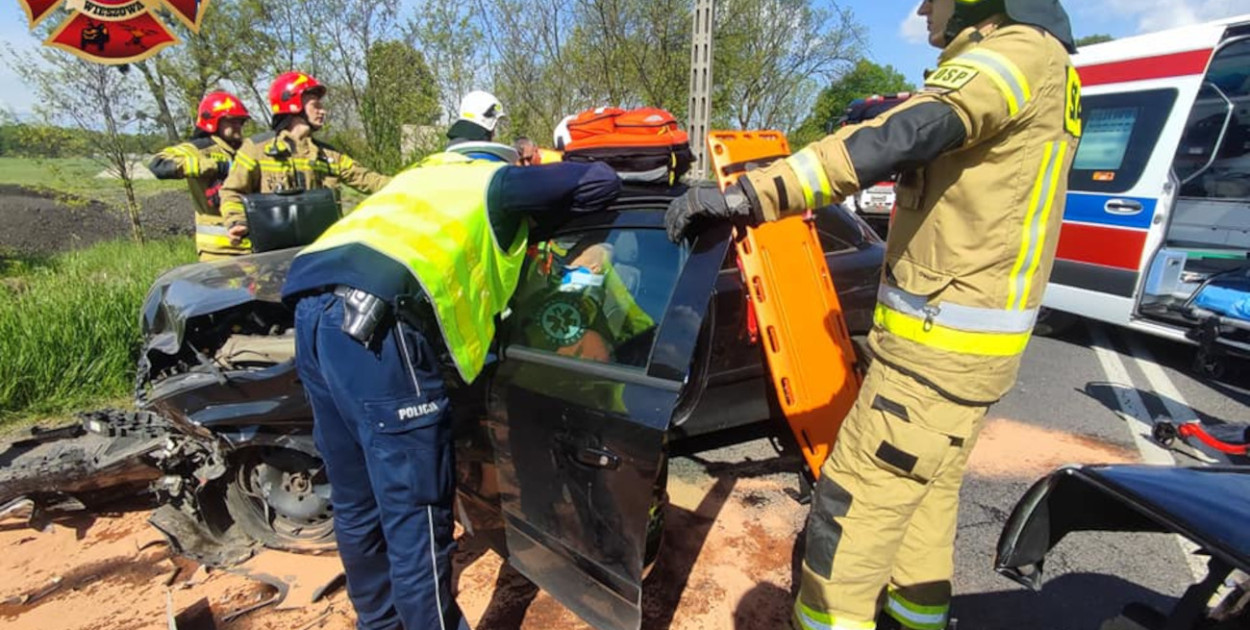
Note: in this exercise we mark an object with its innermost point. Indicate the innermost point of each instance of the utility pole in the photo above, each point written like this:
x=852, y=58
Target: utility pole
x=701, y=82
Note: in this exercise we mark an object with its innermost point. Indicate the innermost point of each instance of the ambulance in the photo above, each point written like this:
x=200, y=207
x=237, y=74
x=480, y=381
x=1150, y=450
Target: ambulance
x=1159, y=193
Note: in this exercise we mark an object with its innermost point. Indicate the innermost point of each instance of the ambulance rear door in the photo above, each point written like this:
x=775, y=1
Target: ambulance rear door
x=1136, y=96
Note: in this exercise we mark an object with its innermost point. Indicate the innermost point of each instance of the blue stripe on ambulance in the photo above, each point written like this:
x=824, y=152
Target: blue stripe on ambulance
x=1091, y=208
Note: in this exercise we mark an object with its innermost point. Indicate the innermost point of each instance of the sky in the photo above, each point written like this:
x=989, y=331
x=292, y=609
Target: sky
x=894, y=34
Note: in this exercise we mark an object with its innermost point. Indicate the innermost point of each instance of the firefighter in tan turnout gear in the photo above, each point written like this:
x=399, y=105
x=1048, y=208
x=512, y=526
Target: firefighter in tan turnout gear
x=289, y=158
x=204, y=161
x=983, y=153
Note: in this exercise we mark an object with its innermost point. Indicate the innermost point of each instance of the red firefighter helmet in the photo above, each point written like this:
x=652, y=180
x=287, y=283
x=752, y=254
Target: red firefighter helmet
x=286, y=95
x=218, y=105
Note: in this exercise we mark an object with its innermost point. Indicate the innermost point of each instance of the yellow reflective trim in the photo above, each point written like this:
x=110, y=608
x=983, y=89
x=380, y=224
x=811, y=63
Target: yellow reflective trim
x=898, y=598
x=949, y=339
x=812, y=619
x=1010, y=66
x=1013, y=106
x=1015, y=285
x=245, y=160
x=190, y=159
x=1057, y=169
x=206, y=242
x=817, y=191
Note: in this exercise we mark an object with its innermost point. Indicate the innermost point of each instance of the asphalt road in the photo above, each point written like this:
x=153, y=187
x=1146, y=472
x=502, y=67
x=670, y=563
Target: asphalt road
x=1086, y=396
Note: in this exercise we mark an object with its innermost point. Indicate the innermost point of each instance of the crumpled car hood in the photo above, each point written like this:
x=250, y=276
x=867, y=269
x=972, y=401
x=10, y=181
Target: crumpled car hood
x=1209, y=506
x=208, y=287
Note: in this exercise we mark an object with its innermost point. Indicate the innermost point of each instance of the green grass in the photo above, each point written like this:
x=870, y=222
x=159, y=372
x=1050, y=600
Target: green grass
x=77, y=177
x=69, y=325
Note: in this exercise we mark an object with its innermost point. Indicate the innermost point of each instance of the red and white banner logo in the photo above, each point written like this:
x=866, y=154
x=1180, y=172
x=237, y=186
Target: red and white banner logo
x=115, y=31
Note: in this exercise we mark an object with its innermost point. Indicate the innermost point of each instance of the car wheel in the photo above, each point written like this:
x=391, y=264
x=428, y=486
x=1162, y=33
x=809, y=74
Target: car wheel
x=281, y=498
x=1051, y=322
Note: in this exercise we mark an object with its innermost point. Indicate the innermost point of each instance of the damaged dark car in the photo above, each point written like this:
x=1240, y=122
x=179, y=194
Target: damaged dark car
x=562, y=443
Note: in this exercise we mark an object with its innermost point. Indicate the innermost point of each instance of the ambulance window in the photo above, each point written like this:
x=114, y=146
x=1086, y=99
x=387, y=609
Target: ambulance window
x=1120, y=132
x=1214, y=153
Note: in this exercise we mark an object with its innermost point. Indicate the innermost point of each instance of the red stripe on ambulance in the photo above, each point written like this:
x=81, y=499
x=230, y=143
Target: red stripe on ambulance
x=1110, y=247
x=1141, y=69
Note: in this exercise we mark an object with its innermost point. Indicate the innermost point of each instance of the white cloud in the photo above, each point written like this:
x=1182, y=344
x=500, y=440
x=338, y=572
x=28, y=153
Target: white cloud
x=913, y=29
x=1157, y=15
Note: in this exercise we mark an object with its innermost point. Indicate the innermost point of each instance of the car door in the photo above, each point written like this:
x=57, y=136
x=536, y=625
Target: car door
x=597, y=347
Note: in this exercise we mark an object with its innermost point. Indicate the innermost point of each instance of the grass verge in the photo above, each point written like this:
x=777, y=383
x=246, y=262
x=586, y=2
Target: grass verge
x=77, y=177
x=69, y=324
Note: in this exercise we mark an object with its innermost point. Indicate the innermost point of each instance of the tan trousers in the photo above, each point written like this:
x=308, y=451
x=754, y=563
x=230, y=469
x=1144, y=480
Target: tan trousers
x=884, y=511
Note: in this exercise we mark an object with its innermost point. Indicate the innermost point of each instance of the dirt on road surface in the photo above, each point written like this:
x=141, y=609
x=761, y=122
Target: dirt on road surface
x=728, y=560
x=44, y=222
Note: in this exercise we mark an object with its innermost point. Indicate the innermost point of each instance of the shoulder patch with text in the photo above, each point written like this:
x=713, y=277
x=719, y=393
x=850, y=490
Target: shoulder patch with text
x=950, y=77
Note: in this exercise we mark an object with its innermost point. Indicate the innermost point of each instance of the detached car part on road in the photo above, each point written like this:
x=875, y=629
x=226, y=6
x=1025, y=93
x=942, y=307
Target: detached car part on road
x=561, y=443
x=1208, y=506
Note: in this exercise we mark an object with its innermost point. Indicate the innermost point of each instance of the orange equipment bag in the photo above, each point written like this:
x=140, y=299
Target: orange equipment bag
x=643, y=145
x=806, y=342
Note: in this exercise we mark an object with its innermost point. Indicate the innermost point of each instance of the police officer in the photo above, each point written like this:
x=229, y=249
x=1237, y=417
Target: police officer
x=389, y=299
x=984, y=153
x=289, y=158
x=204, y=162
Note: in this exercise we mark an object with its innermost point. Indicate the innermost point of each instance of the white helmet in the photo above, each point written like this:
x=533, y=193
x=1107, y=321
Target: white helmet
x=482, y=109
x=562, y=137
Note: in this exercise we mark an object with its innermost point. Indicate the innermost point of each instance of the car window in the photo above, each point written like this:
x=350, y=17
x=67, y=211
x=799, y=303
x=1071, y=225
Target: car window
x=837, y=227
x=1120, y=132
x=1214, y=154
x=596, y=295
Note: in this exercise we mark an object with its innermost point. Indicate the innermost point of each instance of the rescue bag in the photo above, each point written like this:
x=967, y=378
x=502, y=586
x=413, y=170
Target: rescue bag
x=642, y=145
x=292, y=219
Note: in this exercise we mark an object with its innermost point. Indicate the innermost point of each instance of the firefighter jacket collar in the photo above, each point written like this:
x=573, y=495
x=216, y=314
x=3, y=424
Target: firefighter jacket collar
x=967, y=39
x=224, y=146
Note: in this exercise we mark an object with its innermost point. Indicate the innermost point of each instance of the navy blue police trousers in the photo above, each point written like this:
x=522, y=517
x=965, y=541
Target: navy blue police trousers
x=383, y=428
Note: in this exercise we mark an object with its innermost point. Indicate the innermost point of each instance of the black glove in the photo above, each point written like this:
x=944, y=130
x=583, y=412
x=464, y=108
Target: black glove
x=708, y=203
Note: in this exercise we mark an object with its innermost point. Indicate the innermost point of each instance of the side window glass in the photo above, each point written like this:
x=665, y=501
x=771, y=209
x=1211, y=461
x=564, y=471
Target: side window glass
x=1120, y=133
x=1213, y=160
x=839, y=229
x=596, y=295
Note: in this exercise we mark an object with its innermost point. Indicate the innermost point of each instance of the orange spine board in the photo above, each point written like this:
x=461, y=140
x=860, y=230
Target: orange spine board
x=806, y=342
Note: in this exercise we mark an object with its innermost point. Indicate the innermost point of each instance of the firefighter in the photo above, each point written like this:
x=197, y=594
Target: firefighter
x=288, y=157
x=394, y=304
x=478, y=120
x=204, y=162
x=983, y=153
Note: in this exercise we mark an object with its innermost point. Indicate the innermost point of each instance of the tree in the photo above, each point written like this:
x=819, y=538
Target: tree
x=770, y=77
x=452, y=38
x=866, y=79
x=401, y=91
x=99, y=101
x=1093, y=39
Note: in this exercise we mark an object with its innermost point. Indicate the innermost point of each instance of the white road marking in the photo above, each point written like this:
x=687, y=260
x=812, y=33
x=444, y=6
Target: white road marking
x=1133, y=411
x=1171, y=397
x=1132, y=408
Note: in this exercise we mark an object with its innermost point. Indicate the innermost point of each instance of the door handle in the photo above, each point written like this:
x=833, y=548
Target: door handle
x=598, y=458
x=1123, y=206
